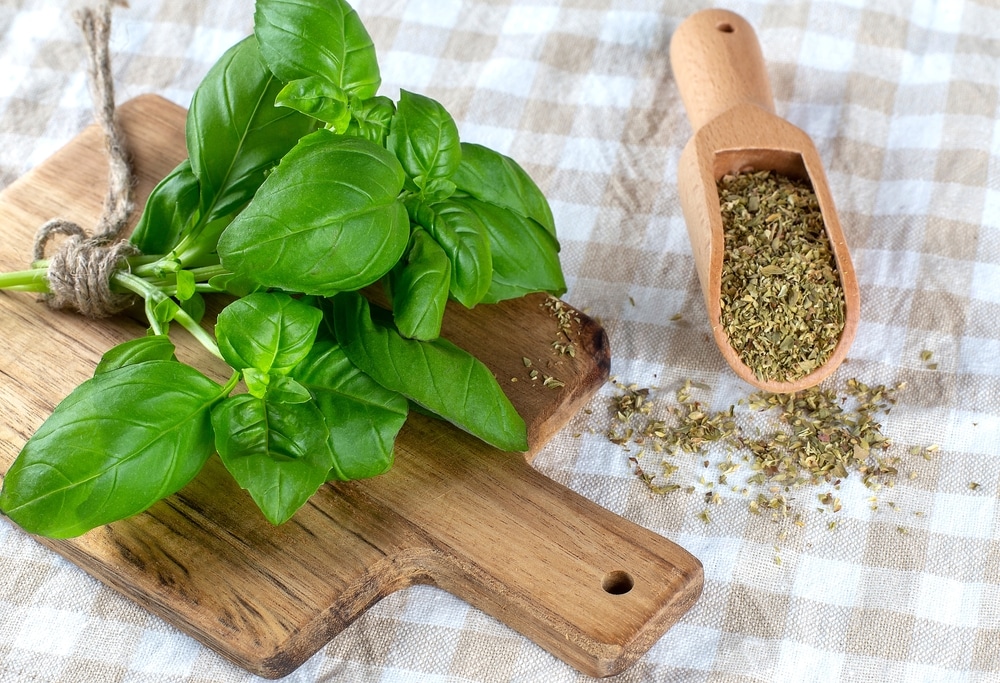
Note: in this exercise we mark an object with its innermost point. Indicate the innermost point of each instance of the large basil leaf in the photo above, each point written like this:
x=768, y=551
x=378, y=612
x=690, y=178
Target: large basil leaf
x=492, y=177
x=420, y=288
x=525, y=256
x=270, y=332
x=117, y=444
x=303, y=38
x=276, y=451
x=464, y=239
x=362, y=417
x=326, y=220
x=437, y=375
x=424, y=138
x=170, y=208
x=235, y=134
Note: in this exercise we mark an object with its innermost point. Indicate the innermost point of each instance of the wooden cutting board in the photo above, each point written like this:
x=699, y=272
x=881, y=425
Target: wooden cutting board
x=588, y=586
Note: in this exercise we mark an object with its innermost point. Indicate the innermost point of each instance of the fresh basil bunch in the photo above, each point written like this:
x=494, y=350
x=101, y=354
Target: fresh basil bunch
x=301, y=186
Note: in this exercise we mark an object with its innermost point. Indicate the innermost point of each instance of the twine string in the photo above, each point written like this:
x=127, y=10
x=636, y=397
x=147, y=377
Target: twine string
x=80, y=270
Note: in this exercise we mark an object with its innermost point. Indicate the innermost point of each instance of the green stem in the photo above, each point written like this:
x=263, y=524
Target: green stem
x=34, y=280
x=150, y=293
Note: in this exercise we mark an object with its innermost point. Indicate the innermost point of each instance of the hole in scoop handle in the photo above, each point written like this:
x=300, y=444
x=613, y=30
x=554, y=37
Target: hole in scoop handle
x=718, y=64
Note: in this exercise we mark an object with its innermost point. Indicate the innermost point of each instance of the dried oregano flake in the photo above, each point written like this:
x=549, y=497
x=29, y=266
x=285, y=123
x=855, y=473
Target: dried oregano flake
x=782, y=302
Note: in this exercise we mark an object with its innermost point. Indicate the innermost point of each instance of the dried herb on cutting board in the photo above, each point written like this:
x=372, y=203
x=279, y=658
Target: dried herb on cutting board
x=302, y=185
x=782, y=302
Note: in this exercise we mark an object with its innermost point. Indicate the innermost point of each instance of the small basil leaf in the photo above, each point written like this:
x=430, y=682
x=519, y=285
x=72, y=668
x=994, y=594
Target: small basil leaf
x=194, y=307
x=319, y=98
x=464, y=239
x=276, y=451
x=492, y=177
x=302, y=38
x=235, y=134
x=269, y=332
x=420, y=288
x=231, y=283
x=286, y=390
x=169, y=210
x=165, y=310
x=326, y=220
x=437, y=374
x=153, y=347
x=117, y=444
x=362, y=417
x=371, y=118
x=257, y=381
x=424, y=138
x=525, y=256
x=185, y=285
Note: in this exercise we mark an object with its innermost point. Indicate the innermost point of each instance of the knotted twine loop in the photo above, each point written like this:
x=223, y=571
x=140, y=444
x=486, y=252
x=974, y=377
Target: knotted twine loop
x=80, y=271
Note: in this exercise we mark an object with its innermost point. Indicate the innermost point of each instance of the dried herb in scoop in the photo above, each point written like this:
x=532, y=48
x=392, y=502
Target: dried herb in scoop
x=782, y=301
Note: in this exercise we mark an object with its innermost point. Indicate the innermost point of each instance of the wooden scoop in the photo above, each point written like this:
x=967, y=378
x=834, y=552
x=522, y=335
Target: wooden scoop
x=720, y=72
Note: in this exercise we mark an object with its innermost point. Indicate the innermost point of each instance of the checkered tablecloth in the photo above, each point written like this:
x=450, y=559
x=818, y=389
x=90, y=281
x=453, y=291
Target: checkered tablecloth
x=902, y=99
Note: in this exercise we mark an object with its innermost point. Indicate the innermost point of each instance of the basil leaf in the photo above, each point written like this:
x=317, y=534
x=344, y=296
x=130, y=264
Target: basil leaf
x=326, y=220
x=231, y=283
x=525, y=256
x=194, y=307
x=420, y=288
x=464, y=239
x=269, y=332
x=282, y=389
x=494, y=178
x=235, y=134
x=424, y=138
x=117, y=444
x=168, y=211
x=276, y=451
x=436, y=374
x=362, y=417
x=153, y=347
x=317, y=97
x=302, y=38
x=371, y=118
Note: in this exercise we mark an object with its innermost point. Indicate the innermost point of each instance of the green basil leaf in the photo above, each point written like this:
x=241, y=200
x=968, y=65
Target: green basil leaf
x=269, y=332
x=117, y=444
x=286, y=390
x=235, y=134
x=276, y=451
x=153, y=347
x=464, y=239
x=164, y=310
x=371, y=118
x=169, y=210
x=494, y=178
x=319, y=98
x=302, y=38
x=185, y=285
x=237, y=285
x=525, y=256
x=326, y=220
x=362, y=417
x=436, y=374
x=419, y=287
x=424, y=138
x=194, y=307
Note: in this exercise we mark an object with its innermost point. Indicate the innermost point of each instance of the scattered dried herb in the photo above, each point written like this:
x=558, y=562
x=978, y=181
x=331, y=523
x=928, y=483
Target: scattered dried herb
x=782, y=302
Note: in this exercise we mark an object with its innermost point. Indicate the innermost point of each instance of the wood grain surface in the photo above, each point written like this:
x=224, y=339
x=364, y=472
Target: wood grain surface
x=590, y=587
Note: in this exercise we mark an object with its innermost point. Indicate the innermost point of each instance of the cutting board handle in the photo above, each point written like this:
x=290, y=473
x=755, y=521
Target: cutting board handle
x=718, y=64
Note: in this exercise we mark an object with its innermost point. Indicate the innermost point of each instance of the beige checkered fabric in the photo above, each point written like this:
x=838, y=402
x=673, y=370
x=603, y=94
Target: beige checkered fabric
x=902, y=99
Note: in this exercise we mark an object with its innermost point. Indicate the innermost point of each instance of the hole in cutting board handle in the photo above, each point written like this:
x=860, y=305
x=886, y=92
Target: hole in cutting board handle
x=617, y=582
x=724, y=27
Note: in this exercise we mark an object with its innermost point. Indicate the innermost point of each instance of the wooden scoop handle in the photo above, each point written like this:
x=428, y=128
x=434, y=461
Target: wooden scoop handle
x=718, y=64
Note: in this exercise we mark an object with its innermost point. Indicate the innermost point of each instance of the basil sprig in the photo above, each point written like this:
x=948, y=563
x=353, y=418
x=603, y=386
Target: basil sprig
x=302, y=186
